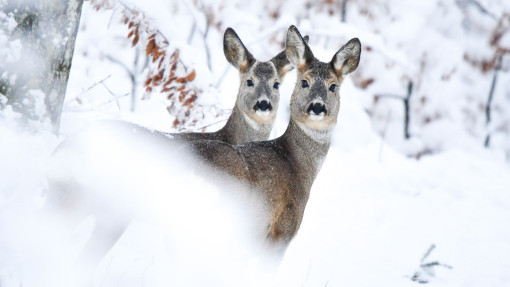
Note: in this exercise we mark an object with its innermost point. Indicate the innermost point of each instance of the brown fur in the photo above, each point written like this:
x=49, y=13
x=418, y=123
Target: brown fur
x=283, y=170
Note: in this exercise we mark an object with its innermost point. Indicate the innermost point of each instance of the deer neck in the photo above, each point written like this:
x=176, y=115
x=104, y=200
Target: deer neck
x=240, y=128
x=308, y=149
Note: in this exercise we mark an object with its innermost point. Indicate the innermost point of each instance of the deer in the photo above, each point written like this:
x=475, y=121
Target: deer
x=281, y=172
x=257, y=101
x=278, y=173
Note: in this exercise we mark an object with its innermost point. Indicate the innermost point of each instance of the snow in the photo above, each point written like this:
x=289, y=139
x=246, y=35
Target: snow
x=378, y=204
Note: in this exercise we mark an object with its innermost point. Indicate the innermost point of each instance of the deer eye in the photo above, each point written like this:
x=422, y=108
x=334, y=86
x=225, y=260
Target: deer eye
x=249, y=83
x=304, y=84
x=332, y=88
x=276, y=85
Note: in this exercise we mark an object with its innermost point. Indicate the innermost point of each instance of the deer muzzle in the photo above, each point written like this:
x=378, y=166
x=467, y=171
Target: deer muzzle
x=263, y=106
x=316, y=108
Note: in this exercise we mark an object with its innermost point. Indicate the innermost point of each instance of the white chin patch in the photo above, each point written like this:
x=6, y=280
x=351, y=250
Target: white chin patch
x=262, y=113
x=318, y=117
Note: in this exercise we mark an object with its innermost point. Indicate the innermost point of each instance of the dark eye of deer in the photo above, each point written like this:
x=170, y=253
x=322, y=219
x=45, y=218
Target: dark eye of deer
x=332, y=88
x=276, y=85
x=249, y=83
x=304, y=84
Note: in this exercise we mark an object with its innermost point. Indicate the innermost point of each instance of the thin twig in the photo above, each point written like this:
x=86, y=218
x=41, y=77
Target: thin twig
x=435, y=263
x=115, y=97
x=397, y=97
x=157, y=30
x=95, y=108
x=407, y=112
x=97, y=83
x=192, y=33
x=307, y=273
x=431, y=248
x=131, y=74
x=222, y=77
x=123, y=65
x=344, y=11
x=489, y=99
x=211, y=124
x=427, y=268
x=90, y=88
x=478, y=6
x=204, y=32
x=204, y=36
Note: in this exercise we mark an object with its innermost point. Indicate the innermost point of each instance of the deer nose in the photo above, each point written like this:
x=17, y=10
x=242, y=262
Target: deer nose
x=263, y=106
x=316, y=108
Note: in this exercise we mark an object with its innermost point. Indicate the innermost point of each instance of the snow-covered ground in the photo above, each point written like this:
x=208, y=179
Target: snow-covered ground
x=374, y=210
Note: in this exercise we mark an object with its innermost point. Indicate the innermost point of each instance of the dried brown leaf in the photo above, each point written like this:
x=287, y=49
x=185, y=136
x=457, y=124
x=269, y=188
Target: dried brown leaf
x=167, y=89
x=135, y=40
x=191, y=76
x=189, y=100
x=161, y=60
x=175, y=56
x=150, y=47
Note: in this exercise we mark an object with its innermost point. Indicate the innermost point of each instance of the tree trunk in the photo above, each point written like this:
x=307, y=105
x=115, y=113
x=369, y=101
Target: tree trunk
x=47, y=31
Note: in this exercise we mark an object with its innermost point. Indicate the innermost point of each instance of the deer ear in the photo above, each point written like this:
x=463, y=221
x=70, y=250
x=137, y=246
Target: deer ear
x=346, y=60
x=298, y=52
x=235, y=51
x=282, y=63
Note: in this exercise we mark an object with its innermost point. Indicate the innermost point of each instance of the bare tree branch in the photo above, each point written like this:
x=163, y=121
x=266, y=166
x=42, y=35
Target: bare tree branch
x=489, y=99
x=204, y=33
x=407, y=109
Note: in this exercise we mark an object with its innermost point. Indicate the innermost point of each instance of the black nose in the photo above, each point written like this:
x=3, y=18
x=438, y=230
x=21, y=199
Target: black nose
x=263, y=106
x=316, y=108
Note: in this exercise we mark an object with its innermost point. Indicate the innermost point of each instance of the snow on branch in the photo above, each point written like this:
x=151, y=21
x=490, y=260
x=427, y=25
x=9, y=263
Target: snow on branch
x=167, y=74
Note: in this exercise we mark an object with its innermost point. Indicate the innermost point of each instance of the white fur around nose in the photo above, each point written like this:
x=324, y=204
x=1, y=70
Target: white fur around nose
x=263, y=113
x=315, y=117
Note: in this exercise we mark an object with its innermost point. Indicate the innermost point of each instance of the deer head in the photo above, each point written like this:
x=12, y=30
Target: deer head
x=315, y=101
x=259, y=94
